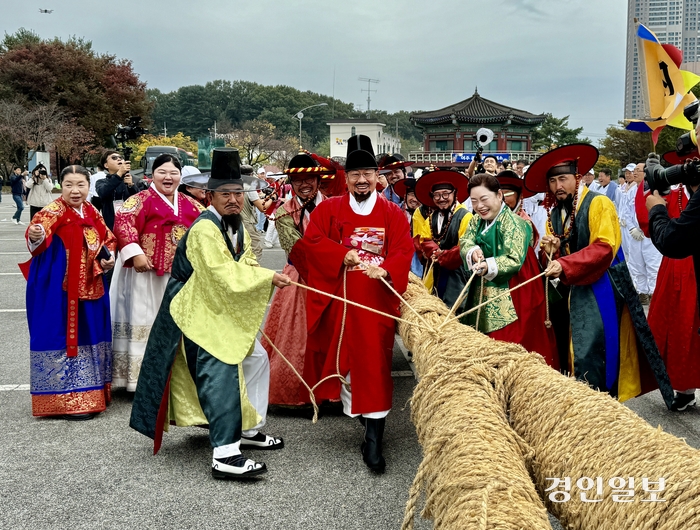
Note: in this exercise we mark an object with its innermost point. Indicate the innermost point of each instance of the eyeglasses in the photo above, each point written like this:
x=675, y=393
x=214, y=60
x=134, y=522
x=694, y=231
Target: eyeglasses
x=443, y=195
x=116, y=157
x=308, y=180
x=355, y=175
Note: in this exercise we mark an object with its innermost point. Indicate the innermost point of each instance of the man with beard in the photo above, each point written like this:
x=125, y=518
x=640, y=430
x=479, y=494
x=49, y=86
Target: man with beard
x=393, y=167
x=444, y=191
x=351, y=242
x=599, y=322
x=203, y=364
x=286, y=320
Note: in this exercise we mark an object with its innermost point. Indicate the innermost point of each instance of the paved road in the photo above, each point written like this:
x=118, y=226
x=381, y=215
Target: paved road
x=101, y=474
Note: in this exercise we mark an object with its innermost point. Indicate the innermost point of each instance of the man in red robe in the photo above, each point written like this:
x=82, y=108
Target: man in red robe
x=351, y=242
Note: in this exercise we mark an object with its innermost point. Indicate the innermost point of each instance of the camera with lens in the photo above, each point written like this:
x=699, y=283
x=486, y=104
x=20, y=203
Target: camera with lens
x=661, y=179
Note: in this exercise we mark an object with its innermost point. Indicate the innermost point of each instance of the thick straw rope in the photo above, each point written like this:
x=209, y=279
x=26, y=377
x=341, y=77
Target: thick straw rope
x=490, y=415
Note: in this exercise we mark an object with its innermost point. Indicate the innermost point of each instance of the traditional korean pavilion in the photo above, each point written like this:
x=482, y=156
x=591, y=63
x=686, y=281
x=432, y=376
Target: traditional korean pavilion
x=449, y=133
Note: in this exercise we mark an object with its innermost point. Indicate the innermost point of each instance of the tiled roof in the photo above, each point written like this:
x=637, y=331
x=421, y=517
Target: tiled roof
x=477, y=110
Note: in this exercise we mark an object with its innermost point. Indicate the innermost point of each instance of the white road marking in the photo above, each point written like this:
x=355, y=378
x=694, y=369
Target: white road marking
x=13, y=310
x=10, y=273
x=14, y=253
x=9, y=388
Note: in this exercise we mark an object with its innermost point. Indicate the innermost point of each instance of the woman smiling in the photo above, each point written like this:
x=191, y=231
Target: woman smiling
x=67, y=306
x=148, y=227
x=497, y=247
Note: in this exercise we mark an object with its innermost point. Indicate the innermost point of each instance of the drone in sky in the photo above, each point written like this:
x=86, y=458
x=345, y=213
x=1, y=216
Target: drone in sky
x=46, y=11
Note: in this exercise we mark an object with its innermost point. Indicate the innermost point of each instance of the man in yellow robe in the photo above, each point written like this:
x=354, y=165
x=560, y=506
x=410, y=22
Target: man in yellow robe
x=201, y=364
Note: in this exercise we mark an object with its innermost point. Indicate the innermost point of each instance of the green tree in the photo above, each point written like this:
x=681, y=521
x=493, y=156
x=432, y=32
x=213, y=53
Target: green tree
x=554, y=132
x=625, y=146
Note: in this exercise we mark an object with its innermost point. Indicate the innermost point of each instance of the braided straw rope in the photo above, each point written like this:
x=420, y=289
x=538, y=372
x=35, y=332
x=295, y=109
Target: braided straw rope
x=495, y=421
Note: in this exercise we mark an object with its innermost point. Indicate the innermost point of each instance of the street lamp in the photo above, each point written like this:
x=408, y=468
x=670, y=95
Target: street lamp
x=299, y=115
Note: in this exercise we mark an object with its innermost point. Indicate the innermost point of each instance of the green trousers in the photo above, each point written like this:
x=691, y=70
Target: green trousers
x=219, y=395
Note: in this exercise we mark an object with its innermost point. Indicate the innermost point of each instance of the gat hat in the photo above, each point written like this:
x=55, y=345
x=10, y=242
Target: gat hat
x=390, y=162
x=630, y=167
x=428, y=181
x=574, y=158
x=403, y=186
x=225, y=169
x=303, y=165
x=510, y=179
x=190, y=170
x=360, y=154
x=671, y=157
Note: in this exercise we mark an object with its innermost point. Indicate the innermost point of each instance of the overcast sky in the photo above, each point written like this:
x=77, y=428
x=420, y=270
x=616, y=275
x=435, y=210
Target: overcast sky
x=566, y=57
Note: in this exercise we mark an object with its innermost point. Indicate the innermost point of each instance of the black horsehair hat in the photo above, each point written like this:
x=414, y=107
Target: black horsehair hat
x=360, y=154
x=225, y=169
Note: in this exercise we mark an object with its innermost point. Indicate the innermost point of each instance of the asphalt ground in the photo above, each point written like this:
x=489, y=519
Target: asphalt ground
x=102, y=474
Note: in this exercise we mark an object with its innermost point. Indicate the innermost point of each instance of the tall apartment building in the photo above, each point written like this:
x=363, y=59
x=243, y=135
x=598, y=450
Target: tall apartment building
x=674, y=22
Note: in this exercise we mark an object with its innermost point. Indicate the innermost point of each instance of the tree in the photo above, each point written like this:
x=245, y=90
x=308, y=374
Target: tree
x=147, y=140
x=554, y=132
x=30, y=127
x=98, y=91
x=605, y=162
x=625, y=146
x=259, y=143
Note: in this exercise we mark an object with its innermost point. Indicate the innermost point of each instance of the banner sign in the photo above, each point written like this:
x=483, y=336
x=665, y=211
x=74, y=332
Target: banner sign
x=466, y=158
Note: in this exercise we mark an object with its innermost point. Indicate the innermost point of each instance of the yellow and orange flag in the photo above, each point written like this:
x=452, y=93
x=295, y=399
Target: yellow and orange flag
x=666, y=88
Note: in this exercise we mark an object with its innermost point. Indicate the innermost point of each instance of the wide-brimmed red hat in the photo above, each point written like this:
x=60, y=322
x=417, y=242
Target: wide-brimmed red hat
x=425, y=184
x=403, y=186
x=511, y=179
x=672, y=157
x=391, y=162
x=304, y=166
x=582, y=158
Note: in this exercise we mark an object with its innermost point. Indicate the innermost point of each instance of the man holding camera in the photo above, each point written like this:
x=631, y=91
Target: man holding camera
x=116, y=187
x=673, y=227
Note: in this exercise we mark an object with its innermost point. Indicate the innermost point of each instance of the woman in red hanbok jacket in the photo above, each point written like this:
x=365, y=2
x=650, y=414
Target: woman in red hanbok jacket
x=70, y=338
x=148, y=227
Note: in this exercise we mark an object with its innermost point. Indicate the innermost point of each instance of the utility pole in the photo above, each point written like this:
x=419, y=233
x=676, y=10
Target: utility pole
x=165, y=129
x=368, y=90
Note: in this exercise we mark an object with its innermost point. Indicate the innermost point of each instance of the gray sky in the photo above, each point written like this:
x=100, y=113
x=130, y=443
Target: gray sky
x=561, y=56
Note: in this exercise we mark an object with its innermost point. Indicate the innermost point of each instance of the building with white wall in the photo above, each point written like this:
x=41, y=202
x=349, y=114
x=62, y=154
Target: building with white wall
x=343, y=129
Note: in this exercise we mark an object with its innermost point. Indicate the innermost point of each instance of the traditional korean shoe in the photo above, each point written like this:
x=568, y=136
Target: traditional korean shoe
x=78, y=417
x=262, y=441
x=372, y=446
x=682, y=402
x=236, y=467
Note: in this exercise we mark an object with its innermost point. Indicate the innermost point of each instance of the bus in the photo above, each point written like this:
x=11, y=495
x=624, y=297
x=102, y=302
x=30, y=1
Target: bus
x=153, y=152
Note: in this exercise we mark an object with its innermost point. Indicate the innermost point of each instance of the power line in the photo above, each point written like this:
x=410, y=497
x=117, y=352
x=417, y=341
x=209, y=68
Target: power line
x=368, y=90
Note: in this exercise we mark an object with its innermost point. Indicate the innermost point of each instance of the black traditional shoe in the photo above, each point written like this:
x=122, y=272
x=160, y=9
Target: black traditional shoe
x=236, y=467
x=682, y=401
x=372, y=446
x=78, y=417
x=262, y=441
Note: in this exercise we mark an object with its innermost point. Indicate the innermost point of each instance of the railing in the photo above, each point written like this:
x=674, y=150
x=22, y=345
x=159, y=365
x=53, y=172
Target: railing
x=448, y=157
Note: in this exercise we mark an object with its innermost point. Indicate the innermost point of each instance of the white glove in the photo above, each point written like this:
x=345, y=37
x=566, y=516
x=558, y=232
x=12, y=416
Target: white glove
x=637, y=234
x=623, y=223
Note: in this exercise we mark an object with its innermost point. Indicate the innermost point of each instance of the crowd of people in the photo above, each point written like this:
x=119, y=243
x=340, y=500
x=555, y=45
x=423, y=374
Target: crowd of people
x=162, y=292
